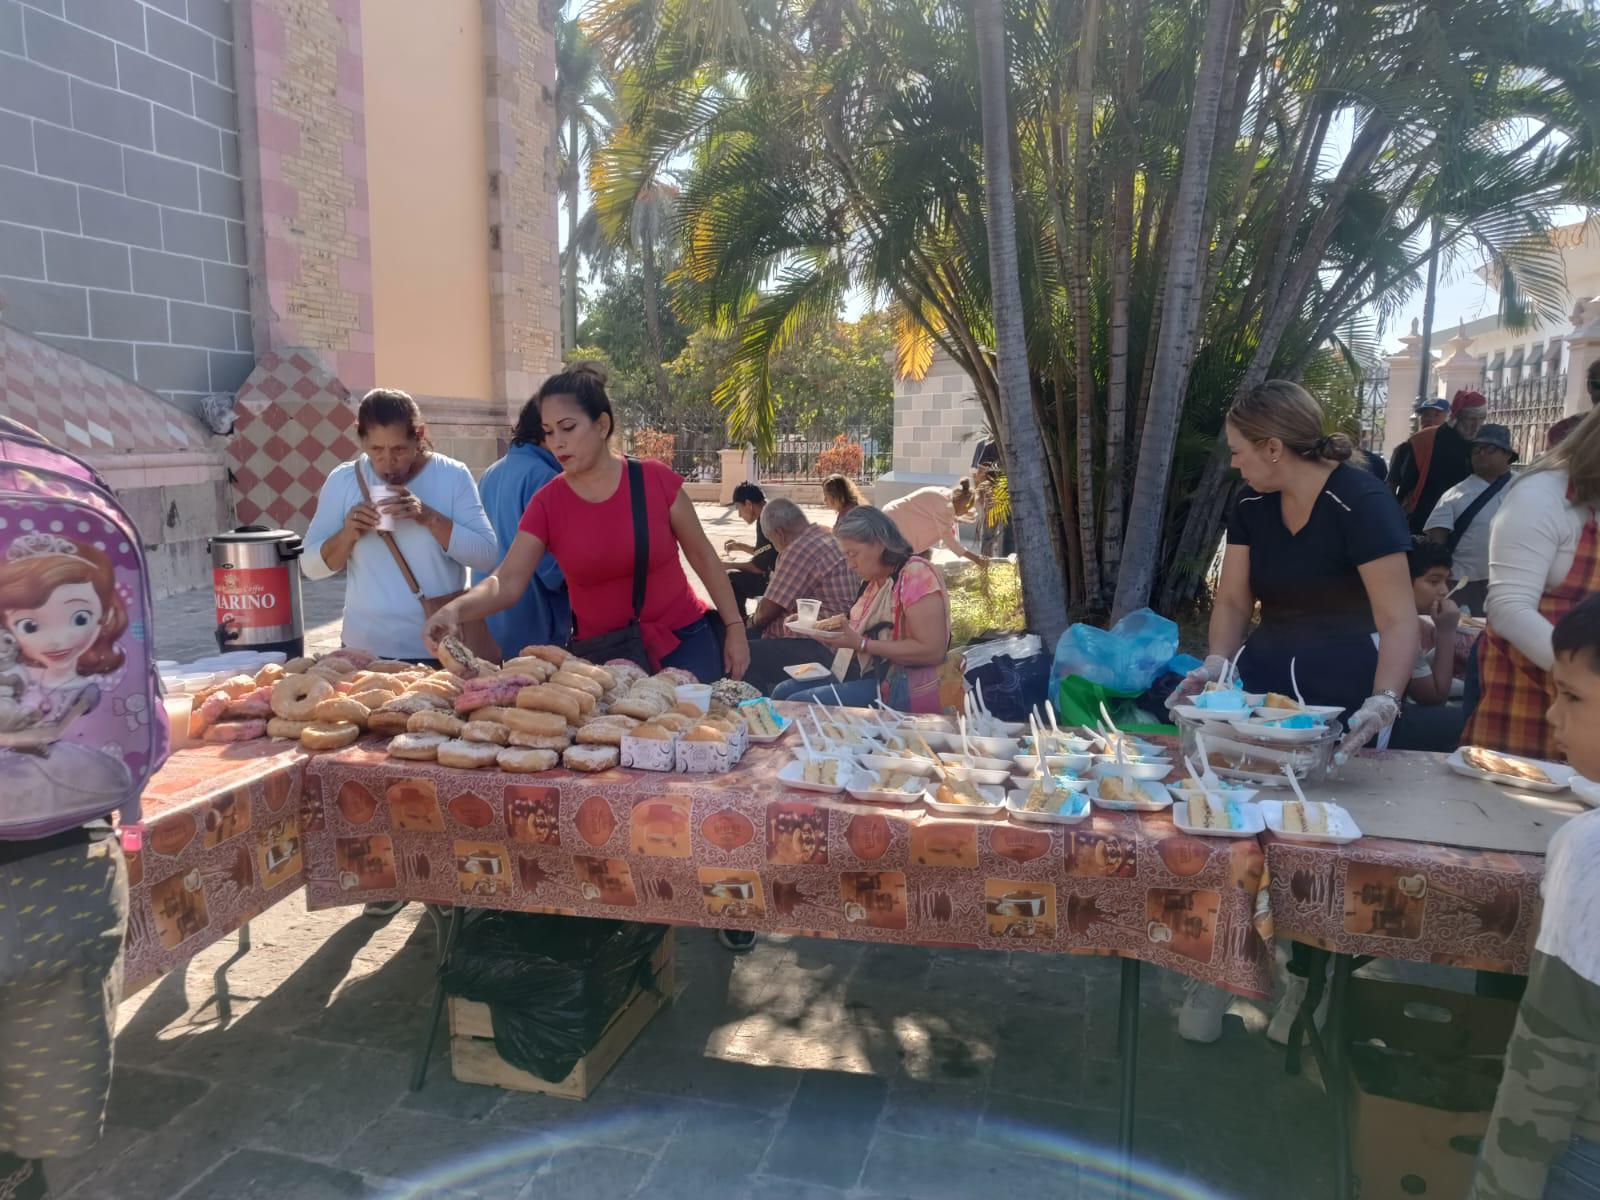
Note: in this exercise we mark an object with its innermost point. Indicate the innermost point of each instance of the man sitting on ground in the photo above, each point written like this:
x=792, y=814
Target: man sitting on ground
x=810, y=567
x=749, y=578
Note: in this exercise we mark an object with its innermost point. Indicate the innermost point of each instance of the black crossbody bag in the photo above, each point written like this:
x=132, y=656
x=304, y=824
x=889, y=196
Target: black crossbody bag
x=1464, y=523
x=627, y=642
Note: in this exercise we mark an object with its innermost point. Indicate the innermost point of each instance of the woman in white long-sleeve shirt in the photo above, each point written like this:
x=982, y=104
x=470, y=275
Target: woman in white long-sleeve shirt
x=1544, y=558
x=440, y=527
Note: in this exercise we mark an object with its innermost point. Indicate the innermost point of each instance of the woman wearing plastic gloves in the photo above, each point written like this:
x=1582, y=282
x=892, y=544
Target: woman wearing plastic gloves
x=1322, y=547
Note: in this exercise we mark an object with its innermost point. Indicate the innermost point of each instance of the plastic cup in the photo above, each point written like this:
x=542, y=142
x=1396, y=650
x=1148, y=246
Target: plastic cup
x=809, y=611
x=380, y=493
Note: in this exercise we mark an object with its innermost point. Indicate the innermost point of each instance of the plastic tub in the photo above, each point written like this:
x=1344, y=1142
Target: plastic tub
x=1241, y=756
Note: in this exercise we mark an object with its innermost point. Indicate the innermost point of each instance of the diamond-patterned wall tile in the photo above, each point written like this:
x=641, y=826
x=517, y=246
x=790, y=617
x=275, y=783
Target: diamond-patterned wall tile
x=295, y=422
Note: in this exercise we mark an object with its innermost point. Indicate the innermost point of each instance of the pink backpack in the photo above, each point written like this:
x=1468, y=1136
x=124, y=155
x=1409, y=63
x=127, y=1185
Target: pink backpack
x=82, y=725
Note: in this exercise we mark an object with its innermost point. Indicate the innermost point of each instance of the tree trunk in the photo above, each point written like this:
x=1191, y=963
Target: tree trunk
x=1175, y=348
x=1121, y=287
x=569, y=283
x=1043, y=593
x=652, y=320
x=1078, y=281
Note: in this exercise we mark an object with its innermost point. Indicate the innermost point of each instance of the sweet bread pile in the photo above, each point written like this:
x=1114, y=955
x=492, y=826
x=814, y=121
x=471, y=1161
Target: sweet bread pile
x=544, y=709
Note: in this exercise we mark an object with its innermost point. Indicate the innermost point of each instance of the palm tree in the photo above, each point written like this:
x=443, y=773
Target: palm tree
x=1044, y=596
x=583, y=110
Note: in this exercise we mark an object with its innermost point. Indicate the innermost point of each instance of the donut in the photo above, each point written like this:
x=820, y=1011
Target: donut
x=419, y=747
x=429, y=687
x=525, y=720
x=677, y=676
x=286, y=730
x=625, y=671
x=390, y=722
x=299, y=666
x=586, y=702
x=270, y=674
x=237, y=685
x=342, y=709
x=210, y=710
x=540, y=669
x=534, y=741
x=600, y=675
x=328, y=735
x=545, y=697
x=295, y=697
x=641, y=708
x=258, y=704
x=578, y=683
x=374, y=697
x=459, y=659
x=554, y=655
x=468, y=755
x=486, y=731
x=676, y=722
x=526, y=762
x=435, y=722
x=236, y=731
x=601, y=735
x=416, y=702
x=388, y=666
x=591, y=758
x=356, y=658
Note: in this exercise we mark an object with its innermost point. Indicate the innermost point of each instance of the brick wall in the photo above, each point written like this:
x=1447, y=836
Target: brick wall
x=937, y=425
x=121, y=218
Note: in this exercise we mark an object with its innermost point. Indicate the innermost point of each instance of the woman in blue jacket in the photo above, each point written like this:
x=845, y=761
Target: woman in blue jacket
x=543, y=616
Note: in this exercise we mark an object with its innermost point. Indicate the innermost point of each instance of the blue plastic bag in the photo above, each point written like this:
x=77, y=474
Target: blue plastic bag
x=1126, y=658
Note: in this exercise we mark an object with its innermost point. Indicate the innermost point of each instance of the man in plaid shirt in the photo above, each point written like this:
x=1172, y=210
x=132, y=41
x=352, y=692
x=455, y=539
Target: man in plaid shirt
x=810, y=567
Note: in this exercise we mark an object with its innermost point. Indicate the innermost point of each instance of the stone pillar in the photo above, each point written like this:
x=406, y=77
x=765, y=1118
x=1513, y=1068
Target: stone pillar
x=1583, y=347
x=1459, y=368
x=303, y=160
x=1404, y=372
x=738, y=466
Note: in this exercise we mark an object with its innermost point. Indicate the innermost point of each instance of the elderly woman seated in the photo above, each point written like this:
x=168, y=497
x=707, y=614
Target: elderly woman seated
x=898, y=630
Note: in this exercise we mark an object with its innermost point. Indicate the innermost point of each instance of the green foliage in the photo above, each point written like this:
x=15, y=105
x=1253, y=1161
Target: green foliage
x=983, y=601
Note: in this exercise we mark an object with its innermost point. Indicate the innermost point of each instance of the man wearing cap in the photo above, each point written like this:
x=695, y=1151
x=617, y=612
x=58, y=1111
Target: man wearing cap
x=1430, y=414
x=1462, y=517
x=1441, y=457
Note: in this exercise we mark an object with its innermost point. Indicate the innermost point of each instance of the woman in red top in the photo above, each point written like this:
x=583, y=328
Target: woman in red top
x=584, y=517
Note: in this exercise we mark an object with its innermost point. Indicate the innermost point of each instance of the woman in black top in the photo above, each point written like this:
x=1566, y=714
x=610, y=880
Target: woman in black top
x=1322, y=546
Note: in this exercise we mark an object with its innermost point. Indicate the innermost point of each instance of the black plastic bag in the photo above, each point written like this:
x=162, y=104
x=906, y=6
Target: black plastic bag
x=552, y=983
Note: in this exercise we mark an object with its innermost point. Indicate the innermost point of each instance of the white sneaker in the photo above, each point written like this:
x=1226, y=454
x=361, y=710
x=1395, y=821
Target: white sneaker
x=1294, y=994
x=1204, y=1006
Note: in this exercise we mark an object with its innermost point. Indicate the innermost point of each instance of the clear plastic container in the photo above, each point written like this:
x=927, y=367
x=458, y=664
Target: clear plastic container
x=1257, y=761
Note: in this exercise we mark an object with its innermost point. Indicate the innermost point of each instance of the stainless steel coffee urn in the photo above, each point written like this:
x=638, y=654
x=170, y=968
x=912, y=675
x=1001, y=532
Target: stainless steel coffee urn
x=255, y=573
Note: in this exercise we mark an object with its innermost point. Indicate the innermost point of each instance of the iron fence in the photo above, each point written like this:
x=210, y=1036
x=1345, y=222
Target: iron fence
x=1528, y=408
x=1372, y=405
x=800, y=460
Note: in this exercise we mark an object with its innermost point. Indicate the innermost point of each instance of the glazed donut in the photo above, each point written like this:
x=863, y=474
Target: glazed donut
x=295, y=697
x=417, y=702
x=467, y=755
x=526, y=762
x=388, y=666
x=286, y=730
x=390, y=722
x=579, y=683
x=236, y=731
x=356, y=658
x=641, y=708
x=540, y=669
x=418, y=747
x=270, y=674
x=328, y=735
x=212, y=709
x=485, y=731
x=677, y=676
x=591, y=758
x=237, y=685
x=299, y=666
x=545, y=697
x=534, y=741
x=554, y=655
x=375, y=697
x=435, y=722
x=625, y=671
x=525, y=720
x=586, y=702
x=601, y=735
x=342, y=710
x=578, y=666
x=429, y=688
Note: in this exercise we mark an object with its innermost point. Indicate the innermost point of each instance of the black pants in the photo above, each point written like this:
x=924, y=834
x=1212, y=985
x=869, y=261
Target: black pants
x=747, y=586
x=769, y=656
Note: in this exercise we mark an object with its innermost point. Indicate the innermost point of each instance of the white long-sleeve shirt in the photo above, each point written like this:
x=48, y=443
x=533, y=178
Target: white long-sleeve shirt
x=1532, y=543
x=381, y=616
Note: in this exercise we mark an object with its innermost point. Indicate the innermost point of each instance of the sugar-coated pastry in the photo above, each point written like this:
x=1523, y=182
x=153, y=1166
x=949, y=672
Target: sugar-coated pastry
x=534, y=741
x=286, y=730
x=601, y=735
x=538, y=668
x=527, y=761
x=467, y=755
x=459, y=659
x=586, y=702
x=435, y=722
x=591, y=758
x=554, y=655
x=486, y=731
x=418, y=747
x=546, y=697
x=295, y=697
x=299, y=666
x=342, y=708
x=328, y=735
x=270, y=674
x=526, y=720
x=236, y=731
x=651, y=731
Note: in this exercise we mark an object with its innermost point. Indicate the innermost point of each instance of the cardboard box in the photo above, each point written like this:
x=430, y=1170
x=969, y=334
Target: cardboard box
x=649, y=754
x=1425, y=1066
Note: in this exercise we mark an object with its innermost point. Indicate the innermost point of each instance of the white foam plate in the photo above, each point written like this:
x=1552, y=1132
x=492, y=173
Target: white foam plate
x=1065, y=744
x=1263, y=728
x=1586, y=790
x=805, y=627
x=1181, y=790
x=1016, y=799
x=996, y=805
x=1193, y=712
x=794, y=776
x=861, y=789
x=1153, y=770
x=1159, y=798
x=1326, y=711
x=1253, y=822
x=808, y=672
x=1342, y=827
x=896, y=762
x=1029, y=763
x=984, y=776
x=1005, y=747
x=1560, y=775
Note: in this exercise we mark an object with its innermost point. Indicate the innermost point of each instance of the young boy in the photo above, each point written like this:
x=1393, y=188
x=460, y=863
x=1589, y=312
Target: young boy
x=1425, y=722
x=1543, y=1141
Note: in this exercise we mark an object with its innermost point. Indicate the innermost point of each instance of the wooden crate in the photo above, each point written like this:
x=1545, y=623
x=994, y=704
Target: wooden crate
x=474, y=1059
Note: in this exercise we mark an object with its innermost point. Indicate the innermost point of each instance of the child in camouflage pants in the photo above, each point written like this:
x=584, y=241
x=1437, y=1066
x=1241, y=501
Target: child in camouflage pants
x=1544, y=1136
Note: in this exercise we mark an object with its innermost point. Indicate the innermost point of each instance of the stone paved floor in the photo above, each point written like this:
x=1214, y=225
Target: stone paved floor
x=809, y=1069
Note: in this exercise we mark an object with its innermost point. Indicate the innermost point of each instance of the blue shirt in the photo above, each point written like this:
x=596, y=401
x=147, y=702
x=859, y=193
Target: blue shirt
x=543, y=615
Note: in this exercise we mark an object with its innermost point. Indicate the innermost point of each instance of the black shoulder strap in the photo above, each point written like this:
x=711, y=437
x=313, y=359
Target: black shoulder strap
x=641, y=534
x=1464, y=521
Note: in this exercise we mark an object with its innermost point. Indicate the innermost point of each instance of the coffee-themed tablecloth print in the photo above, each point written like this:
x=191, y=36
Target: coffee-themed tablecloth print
x=221, y=845
x=1403, y=900
x=741, y=851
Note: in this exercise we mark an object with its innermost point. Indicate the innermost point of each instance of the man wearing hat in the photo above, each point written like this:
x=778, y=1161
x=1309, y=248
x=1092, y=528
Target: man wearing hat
x=1462, y=517
x=1441, y=457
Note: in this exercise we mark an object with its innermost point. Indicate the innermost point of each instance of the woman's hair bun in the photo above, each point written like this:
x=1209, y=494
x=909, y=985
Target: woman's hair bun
x=1335, y=447
x=591, y=368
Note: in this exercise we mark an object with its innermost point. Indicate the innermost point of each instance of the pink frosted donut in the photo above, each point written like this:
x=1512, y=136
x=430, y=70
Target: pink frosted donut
x=257, y=704
x=214, y=707
x=499, y=695
x=236, y=731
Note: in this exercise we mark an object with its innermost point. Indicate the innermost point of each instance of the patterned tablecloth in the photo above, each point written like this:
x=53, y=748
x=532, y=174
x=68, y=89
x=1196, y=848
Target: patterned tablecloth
x=1408, y=900
x=741, y=851
x=221, y=844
